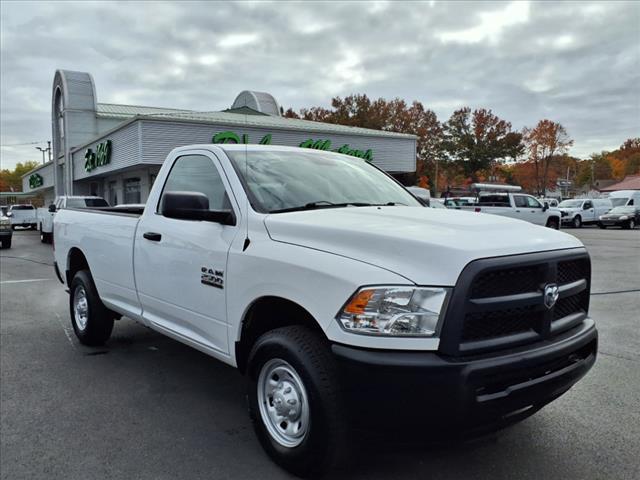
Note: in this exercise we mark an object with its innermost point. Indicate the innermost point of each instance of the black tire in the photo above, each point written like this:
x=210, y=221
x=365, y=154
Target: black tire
x=577, y=221
x=45, y=237
x=602, y=226
x=553, y=223
x=632, y=224
x=99, y=319
x=323, y=446
x=33, y=226
x=6, y=243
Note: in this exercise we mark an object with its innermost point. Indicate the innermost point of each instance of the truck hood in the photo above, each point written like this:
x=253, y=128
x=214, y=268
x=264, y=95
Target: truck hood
x=425, y=245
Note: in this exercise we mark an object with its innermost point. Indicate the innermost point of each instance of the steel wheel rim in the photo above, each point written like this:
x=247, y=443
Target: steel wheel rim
x=80, y=307
x=283, y=403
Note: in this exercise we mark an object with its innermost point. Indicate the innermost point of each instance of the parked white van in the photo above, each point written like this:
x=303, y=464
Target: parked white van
x=623, y=198
x=580, y=211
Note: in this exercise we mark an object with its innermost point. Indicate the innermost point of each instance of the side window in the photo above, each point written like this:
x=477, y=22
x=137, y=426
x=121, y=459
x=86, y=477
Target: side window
x=533, y=203
x=630, y=202
x=197, y=173
x=520, y=201
x=587, y=205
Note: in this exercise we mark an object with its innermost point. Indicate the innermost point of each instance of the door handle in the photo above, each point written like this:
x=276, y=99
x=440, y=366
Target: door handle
x=154, y=237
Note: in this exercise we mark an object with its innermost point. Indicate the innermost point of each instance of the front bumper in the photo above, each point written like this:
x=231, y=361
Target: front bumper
x=462, y=394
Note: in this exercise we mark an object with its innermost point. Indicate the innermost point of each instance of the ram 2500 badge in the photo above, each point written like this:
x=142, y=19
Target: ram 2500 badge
x=340, y=297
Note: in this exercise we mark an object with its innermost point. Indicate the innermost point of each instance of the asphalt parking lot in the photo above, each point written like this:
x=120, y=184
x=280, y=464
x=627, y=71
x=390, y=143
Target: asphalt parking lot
x=147, y=407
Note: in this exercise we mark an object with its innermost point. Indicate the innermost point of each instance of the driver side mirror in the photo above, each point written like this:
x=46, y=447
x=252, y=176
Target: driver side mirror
x=545, y=207
x=52, y=208
x=193, y=206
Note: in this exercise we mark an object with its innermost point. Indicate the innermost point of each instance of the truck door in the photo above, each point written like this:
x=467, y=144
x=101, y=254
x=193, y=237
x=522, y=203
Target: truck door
x=535, y=211
x=588, y=212
x=180, y=265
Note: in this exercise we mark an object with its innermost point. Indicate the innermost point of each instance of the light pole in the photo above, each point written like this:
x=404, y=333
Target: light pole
x=43, y=150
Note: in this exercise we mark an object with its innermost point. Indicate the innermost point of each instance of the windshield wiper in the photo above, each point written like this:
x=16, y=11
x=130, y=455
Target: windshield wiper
x=321, y=204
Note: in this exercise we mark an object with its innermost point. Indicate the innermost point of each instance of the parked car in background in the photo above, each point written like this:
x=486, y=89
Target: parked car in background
x=552, y=202
x=457, y=202
x=622, y=198
x=507, y=201
x=3, y=210
x=625, y=217
x=583, y=211
x=23, y=216
x=6, y=232
x=421, y=194
x=45, y=218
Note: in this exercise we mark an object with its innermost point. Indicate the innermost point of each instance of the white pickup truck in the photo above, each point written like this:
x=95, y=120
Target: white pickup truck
x=45, y=215
x=342, y=299
x=505, y=200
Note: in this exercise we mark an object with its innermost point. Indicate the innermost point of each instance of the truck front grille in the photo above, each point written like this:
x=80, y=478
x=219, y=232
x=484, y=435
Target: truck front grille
x=500, y=303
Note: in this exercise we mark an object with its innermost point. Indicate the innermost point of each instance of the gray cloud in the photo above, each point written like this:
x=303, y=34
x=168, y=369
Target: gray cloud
x=577, y=63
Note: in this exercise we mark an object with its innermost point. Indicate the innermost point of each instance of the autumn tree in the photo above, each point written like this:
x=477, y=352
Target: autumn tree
x=11, y=180
x=391, y=115
x=476, y=140
x=543, y=142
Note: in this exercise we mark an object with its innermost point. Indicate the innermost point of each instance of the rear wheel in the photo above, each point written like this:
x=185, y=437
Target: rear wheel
x=295, y=400
x=6, y=243
x=630, y=225
x=92, y=321
x=577, y=221
x=45, y=237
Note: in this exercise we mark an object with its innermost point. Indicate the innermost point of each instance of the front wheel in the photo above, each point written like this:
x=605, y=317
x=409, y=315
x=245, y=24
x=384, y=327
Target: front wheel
x=92, y=321
x=553, y=223
x=6, y=243
x=577, y=221
x=631, y=224
x=295, y=401
x=45, y=237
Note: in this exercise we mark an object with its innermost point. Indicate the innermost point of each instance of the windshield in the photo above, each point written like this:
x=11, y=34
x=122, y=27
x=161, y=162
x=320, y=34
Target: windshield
x=618, y=202
x=286, y=180
x=621, y=210
x=571, y=203
x=86, y=202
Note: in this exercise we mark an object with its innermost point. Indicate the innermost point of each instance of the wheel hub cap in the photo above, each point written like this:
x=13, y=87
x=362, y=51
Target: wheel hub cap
x=282, y=398
x=80, y=308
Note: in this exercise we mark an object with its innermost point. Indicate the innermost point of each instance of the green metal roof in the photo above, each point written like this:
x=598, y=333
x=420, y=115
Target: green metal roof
x=109, y=110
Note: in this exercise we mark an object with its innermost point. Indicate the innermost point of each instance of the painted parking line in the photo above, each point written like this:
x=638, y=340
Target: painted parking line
x=5, y=282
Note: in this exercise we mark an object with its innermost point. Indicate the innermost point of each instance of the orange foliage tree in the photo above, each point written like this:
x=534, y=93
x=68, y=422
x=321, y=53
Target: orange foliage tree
x=544, y=141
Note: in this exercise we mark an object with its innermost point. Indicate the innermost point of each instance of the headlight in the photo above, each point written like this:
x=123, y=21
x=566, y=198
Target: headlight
x=395, y=311
x=623, y=217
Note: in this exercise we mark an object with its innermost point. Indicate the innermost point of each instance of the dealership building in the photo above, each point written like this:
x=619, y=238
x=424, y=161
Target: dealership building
x=115, y=151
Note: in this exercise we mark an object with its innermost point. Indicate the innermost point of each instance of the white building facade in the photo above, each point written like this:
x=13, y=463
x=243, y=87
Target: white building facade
x=115, y=151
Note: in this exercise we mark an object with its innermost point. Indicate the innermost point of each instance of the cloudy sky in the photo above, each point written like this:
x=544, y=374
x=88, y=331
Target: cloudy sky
x=573, y=62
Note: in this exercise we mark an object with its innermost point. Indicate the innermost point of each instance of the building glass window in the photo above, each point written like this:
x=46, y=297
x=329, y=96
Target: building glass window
x=132, y=190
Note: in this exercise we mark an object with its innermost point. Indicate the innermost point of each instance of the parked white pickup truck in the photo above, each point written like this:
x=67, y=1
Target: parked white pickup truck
x=342, y=299
x=505, y=200
x=45, y=216
x=23, y=216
